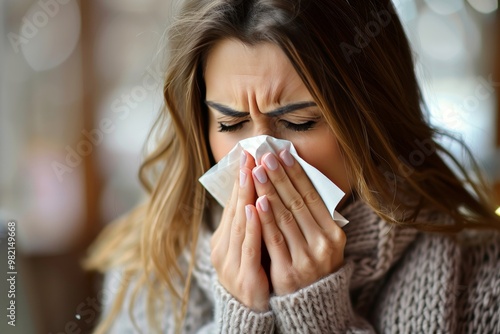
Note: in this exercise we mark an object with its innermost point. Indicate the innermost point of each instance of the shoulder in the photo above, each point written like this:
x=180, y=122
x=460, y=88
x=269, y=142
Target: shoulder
x=470, y=256
x=116, y=297
x=444, y=284
x=478, y=293
x=473, y=252
x=135, y=303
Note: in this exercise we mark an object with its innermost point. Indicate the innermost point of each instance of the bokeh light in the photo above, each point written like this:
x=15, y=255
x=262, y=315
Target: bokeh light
x=445, y=7
x=80, y=63
x=441, y=39
x=484, y=6
x=50, y=37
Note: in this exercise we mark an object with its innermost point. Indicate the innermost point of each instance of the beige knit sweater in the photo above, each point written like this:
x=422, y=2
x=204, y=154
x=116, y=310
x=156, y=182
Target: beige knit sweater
x=393, y=281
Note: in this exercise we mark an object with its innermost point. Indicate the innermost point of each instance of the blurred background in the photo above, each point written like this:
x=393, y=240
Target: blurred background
x=80, y=85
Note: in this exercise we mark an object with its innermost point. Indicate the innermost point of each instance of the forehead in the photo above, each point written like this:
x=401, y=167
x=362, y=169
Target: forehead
x=250, y=57
x=237, y=68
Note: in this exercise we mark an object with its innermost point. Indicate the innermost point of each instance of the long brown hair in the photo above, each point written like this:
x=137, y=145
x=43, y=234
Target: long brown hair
x=355, y=59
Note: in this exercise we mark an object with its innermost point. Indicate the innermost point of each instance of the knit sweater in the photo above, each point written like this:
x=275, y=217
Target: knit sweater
x=394, y=280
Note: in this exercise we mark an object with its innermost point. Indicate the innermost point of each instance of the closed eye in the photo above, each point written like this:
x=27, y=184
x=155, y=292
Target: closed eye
x=288, y=125
x=299, y=127
x=231, y=128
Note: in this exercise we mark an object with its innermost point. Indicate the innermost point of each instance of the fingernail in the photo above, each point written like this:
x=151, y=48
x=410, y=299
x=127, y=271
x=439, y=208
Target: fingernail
x=243, y=159
x=287, y=158
x=243, y=178
x=248, y=211
x=271, y=161
x=263, y=203
x=260, y=174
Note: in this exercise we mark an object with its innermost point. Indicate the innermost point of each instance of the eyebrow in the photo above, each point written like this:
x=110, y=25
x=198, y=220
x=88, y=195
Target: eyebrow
x=276, y=112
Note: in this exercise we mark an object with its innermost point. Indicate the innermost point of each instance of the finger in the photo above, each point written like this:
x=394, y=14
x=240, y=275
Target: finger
x=290, y=197
x=230, y=208
x=283, y=217
x=251, y=251
x=306, y=189
x=273, y=238
x=246, y=195
x=247, y=160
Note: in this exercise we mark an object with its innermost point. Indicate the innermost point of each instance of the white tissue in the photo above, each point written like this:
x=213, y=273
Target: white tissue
x=219, y=179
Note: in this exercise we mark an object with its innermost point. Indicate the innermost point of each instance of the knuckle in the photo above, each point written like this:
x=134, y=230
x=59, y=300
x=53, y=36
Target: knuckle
x=294, y=173
x=296, y=204
x=312, y=197
x=266, y=222
x=281, y=178
x=325, y=248
x=277, y=240
x=249, y=251
x=272, y=194
x=237, y=228
x=286, y=218
x=339, y=237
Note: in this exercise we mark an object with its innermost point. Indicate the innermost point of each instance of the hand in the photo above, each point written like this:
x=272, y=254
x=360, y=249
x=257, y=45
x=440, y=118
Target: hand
x=303, y=241
x=236, y=244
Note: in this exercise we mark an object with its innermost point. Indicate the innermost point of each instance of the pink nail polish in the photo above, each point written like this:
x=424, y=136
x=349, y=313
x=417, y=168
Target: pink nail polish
x=243, y=178
x=260, y=174
x=271, y=161
x=287, y=158
x=263, y=203
x=248, y=212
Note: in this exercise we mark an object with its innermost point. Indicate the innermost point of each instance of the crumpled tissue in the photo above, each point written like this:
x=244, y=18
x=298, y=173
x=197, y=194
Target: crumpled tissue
x=219, y=179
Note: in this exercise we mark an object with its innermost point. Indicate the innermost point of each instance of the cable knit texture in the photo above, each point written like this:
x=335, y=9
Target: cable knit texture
x=394, y=280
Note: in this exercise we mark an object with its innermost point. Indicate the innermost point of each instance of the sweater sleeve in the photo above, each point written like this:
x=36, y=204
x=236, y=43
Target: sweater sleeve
x=233, y=317
x=323, y=307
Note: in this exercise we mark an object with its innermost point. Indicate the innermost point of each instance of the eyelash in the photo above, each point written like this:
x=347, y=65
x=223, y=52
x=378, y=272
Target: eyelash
x=289, y=125
x=230, y=128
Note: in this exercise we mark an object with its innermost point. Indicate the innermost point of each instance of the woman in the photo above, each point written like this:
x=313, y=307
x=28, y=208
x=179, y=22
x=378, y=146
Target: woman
x=336, y=78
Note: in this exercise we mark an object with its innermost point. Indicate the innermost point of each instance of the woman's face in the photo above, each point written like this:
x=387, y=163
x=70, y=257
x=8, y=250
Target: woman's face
x=254, y=90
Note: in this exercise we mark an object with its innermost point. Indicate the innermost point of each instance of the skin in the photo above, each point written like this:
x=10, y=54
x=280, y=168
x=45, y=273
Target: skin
x=276, y=201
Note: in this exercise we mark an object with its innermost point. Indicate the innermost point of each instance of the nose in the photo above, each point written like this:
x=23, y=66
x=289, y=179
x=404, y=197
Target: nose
x=265, y=128
x=263, y=125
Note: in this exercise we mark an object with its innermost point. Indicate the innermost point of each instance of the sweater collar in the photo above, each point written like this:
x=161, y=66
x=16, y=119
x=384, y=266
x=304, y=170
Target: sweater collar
x=373, y=245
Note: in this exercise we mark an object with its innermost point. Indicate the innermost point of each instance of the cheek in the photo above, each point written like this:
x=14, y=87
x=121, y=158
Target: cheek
x=325, y=156
x=220, y=144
